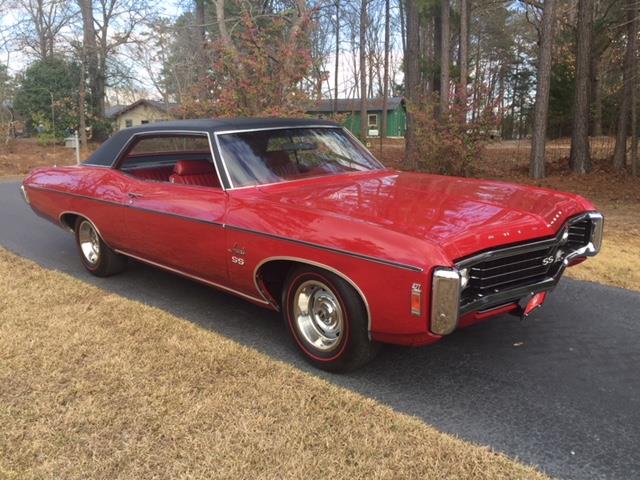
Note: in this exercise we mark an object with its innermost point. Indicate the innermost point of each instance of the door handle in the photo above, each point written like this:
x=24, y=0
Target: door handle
x=134, y=195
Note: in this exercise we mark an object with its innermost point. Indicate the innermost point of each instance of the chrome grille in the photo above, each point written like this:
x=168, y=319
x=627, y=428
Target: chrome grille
x=511, y=271
x=507, y=271
x=516, y=267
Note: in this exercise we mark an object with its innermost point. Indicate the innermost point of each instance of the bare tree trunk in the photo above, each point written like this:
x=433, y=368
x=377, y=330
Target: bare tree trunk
x=201, y=28
x=81, y=105
x=200, y=21
x=620, y=152
x=412, y=60
x=634, y=105
x=363, y=70
x=91, y=54
x=436, y=25
x=337, y=68
x=514, y=95
x=445, y=57
x=403, y=32
x=476, y=82
x=580, y=157
x=634, y=131
x=539, y=136
x=428, y=49
x=463, y=57
x=596, y=92
x=385, y=88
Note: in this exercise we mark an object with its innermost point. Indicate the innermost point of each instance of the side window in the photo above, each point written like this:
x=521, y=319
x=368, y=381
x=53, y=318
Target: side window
x=180, y=159
x=128, y=123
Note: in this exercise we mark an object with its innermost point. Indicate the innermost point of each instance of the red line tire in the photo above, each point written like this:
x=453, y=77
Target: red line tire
x=327, y=319
x=96, y=256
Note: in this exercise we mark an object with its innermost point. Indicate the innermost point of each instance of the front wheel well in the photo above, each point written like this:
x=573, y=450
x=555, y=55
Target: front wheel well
x=270, y=278
x=271, y=275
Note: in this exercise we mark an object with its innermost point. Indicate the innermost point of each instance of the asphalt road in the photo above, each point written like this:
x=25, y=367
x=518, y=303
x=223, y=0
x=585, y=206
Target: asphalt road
x=560, y=390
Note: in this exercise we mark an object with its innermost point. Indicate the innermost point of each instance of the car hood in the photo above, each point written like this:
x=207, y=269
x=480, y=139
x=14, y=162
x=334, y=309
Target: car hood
x=462, y=216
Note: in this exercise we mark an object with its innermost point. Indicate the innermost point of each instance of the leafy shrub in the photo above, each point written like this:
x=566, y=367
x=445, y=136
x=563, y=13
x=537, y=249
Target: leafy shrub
x=258, y=72
x=448, y=144
x=46, y=139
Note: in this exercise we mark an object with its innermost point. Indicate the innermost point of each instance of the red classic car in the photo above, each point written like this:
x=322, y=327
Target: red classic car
x=297, y=216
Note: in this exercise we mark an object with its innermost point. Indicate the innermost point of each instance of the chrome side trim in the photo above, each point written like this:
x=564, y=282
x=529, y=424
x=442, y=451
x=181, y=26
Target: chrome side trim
x=389, y=263
x=319, y=265
x=126, y=205
x=25, y=194
x=328, y=249
x=196, y=278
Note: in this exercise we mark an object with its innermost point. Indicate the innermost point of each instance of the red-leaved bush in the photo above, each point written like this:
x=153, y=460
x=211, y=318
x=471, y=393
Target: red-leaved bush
x=259, y=70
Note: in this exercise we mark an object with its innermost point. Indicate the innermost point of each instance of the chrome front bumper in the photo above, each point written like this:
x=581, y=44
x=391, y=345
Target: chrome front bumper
x=448, y=303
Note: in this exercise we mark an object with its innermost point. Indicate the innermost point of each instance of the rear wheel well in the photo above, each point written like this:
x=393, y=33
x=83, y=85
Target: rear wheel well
x=69, y=220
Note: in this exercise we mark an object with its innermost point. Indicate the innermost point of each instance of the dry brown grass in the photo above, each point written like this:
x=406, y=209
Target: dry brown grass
x=93, y=385
x=24, y=154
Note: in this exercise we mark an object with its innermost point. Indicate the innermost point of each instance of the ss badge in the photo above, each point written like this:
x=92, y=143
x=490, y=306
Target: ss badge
x=548, y=260
x=237, y=260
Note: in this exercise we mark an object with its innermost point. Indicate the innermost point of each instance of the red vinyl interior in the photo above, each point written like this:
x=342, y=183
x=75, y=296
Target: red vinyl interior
x=185, y=172
x=159, y=174
x=195, y=172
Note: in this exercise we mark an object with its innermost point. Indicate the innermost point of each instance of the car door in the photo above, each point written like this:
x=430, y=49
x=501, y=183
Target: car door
x=171, y=223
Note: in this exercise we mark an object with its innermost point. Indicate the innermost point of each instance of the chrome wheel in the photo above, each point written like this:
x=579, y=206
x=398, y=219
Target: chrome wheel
x=318, y=315
x=89, y=242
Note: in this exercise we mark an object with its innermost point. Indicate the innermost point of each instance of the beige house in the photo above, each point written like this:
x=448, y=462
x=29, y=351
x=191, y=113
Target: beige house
x=139, y=113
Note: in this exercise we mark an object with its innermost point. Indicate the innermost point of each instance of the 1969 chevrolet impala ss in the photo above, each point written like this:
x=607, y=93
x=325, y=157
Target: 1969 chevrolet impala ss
x=297, y=216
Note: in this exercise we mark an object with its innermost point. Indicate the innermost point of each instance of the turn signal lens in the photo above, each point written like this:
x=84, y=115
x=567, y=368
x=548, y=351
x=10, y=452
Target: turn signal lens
x=416, y=299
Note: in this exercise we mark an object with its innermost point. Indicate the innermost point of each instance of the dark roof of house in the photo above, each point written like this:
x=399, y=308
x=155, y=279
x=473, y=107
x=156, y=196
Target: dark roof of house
x=116, y=110
x=113, y=110
x=353, y=105
x=107, y=152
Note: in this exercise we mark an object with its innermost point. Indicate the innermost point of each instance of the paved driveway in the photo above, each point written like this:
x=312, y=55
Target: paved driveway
x=560, y=390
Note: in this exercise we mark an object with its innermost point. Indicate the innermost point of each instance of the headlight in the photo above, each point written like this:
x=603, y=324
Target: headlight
x=464, y=278
x=445, y=300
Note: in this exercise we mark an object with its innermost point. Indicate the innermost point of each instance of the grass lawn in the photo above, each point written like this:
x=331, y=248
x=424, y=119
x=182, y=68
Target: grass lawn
x=95, y=386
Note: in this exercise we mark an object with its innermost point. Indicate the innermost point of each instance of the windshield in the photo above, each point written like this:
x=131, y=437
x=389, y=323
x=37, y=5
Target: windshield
x=272, y=156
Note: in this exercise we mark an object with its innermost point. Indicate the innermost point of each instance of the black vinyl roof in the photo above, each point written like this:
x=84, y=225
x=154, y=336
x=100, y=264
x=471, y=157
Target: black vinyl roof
x=106, y=154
